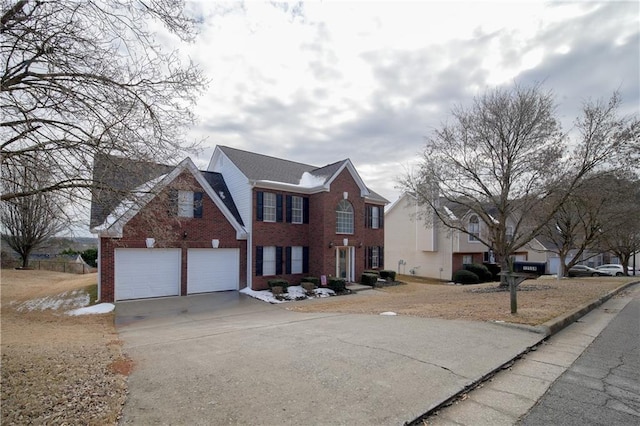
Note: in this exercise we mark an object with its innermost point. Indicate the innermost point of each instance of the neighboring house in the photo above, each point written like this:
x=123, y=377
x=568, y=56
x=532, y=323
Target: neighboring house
x=417, y=245
x=247, y=219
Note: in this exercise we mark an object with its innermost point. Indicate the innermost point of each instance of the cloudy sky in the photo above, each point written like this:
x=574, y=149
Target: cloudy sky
x=322, y=81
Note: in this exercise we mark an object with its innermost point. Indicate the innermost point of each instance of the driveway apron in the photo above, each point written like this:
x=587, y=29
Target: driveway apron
x=225, y=358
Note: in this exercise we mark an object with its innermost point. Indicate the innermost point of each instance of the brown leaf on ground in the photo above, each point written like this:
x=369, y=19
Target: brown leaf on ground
x=538, y=300
x=57, y=369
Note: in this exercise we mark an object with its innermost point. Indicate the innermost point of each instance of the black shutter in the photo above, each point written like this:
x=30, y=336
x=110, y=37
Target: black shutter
x=172, y=208
x=369, y=257
x=259, y=205
x=258, y=260
x=381, y=216
x=197, y=204
x=278, y=207
x=381, y=257
x=305, y=210
x=289, y=208
x=305, y=260
x=278, y=260
x=288, y=260
x=367, y=217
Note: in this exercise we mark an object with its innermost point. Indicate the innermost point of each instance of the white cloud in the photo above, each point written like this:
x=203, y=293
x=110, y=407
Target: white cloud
x=368, y=80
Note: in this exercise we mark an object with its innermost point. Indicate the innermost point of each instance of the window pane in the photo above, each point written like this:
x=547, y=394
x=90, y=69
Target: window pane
x=474, y=228
x=269, y=260
x=344, y=217
x=374, y=257
x=185, y=203
x=269, y=207
x=375, y=219
x=296, y=209
x=296, y=260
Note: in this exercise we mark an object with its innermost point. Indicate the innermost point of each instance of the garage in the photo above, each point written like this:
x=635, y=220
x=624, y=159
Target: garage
x=144, y=273
x=211, y=270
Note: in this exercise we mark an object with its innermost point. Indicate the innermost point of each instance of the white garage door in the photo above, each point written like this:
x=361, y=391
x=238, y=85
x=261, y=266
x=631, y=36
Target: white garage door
x=212, y=270
x=143, y=273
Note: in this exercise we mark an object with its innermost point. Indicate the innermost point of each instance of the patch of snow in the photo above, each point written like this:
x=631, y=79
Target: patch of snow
x=311, y=181
x=264, y=295
x=100, y=308
x=324, y=292
x=294, y=292
x=389, y=314
x=66, y=300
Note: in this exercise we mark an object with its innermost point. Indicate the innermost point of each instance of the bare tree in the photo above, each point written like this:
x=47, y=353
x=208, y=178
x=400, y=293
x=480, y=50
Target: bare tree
x=505, y=156
x=29, y=222
x=84, y=78
x=621, y=227
x=576, y=227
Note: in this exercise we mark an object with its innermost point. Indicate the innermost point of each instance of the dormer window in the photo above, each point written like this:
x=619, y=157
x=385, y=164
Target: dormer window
x=474, y=228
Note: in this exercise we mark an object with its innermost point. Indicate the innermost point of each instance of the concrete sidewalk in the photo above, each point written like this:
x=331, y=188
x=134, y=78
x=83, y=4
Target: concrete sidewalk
x=510, y=394
x=225, y=358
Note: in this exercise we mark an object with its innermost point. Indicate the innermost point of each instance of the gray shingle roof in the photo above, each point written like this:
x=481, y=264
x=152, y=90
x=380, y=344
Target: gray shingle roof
x=216, y=181
x=115, y=178
x=264, y=167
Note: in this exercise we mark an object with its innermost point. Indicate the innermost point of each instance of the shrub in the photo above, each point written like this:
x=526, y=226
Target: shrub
x=388, y=275
x=371, y=271
x=369, y=279
x=481, y=271
x=278, y=282
x=90, y=256
x=494, y=269
x=464, y=276
x=337, y=284
x=314, y=280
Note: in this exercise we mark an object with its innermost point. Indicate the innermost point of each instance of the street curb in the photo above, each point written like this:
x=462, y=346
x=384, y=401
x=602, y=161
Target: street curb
x=547, y=329
x=553, y=326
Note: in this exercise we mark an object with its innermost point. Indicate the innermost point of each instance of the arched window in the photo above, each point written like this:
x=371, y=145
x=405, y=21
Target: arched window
x=344, y=218
x=474, y=228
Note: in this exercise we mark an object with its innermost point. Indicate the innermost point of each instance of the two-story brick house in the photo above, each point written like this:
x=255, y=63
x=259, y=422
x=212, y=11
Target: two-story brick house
x=245, y=220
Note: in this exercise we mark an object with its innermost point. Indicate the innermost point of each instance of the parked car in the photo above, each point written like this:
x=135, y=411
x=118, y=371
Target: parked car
x=584, y=271
x=611, y=269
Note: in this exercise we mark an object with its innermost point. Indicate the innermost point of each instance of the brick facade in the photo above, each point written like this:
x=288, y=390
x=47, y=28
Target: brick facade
x=169, y=231
x=319, y=233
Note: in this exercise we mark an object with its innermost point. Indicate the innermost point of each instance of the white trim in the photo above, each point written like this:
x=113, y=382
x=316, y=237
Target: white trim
x=115, y=229
x=364, y=192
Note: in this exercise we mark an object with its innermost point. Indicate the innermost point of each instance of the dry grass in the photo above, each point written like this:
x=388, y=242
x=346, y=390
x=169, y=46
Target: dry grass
x=538, y=300
x=57, y=369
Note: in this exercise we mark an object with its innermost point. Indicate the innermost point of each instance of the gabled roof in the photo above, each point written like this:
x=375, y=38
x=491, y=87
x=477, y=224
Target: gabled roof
x=124, y=205
x=268, y=171
x=263, y=167
x=115, y=178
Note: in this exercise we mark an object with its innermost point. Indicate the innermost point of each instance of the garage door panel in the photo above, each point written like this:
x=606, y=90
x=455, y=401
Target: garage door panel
x=144, y=273
x=211, y=270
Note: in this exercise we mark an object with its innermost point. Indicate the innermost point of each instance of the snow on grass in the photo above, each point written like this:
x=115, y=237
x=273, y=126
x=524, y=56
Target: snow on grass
x=100, y=308
x=389, y=314
x=67, y=300
x=75, y=302
x=294, y=292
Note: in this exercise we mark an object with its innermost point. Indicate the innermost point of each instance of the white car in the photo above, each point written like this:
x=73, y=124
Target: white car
x=611, y=269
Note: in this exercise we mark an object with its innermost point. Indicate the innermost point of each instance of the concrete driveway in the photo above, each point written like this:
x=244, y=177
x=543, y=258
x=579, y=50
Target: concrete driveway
x=225, y=358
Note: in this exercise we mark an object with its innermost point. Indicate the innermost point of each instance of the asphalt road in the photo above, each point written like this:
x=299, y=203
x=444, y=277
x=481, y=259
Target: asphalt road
x=602, y=387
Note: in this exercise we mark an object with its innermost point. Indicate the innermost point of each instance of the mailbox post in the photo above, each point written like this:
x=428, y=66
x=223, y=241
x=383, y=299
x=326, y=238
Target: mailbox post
x=515, y=279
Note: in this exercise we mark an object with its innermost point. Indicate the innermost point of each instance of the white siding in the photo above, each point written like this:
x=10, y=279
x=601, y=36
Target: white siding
x=238, y=185
x=423, y=250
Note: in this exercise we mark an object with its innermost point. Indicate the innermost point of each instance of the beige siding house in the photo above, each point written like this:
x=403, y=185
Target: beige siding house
x=415, y=245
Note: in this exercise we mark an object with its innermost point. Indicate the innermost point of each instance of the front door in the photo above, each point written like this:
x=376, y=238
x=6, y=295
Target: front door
x=344, y=263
